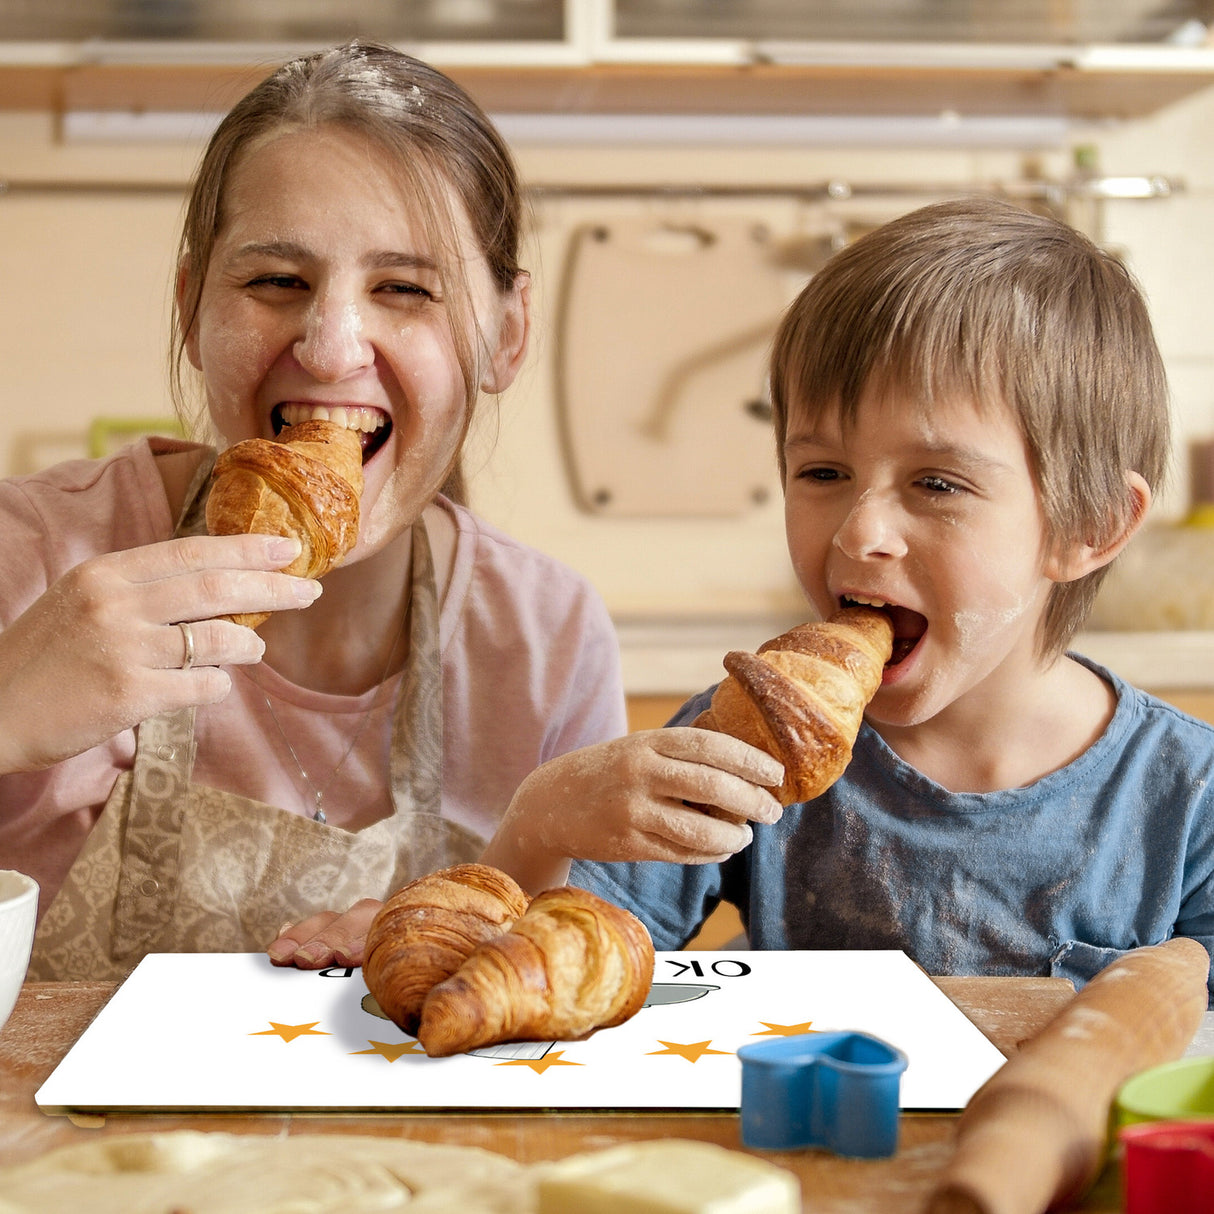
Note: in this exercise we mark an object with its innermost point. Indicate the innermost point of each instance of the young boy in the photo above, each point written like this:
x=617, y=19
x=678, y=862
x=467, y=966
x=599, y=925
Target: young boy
x=971, y=418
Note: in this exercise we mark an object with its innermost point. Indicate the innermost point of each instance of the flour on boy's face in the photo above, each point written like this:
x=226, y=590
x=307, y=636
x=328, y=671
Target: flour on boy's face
x=931, y=512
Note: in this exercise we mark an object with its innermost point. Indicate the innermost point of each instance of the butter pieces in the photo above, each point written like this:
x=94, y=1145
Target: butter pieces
x=666, y=1176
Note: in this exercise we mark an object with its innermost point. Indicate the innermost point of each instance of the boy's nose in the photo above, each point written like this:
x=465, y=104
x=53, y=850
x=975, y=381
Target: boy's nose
x=333, y=343
x=870, y=529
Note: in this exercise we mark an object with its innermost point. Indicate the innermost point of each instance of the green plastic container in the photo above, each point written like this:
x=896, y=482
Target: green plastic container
x=1176, y=1091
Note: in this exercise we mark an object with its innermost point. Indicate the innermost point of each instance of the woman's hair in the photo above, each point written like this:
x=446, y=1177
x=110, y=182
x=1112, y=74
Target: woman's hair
x=982, y=301
x=425, y=123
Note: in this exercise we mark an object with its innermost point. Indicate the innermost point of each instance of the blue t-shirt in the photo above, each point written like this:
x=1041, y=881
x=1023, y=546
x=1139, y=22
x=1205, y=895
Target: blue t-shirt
x=1059, y=878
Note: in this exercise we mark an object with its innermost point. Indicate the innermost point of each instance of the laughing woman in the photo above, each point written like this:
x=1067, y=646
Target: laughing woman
x=176, y=781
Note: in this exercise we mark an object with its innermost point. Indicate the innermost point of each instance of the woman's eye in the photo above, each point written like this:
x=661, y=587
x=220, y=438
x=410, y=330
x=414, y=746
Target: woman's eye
x=407, y=289
x=283, y=281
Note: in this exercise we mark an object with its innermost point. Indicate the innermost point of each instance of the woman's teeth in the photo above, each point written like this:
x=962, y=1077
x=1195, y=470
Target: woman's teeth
x=349, y=417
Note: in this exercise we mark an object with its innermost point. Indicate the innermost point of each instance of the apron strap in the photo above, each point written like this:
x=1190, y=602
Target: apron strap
x=416, y=772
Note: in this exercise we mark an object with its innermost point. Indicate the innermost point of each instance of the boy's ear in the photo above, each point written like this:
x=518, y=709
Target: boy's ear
x=1072, y=561
x=514, y=328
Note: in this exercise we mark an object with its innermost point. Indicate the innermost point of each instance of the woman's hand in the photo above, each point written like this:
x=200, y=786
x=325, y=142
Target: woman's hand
x=682, y=794
x=102, y=649
x=328, y=938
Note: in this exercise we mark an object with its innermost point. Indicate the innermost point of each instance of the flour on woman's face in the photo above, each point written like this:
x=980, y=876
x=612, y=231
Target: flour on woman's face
x=324, y=293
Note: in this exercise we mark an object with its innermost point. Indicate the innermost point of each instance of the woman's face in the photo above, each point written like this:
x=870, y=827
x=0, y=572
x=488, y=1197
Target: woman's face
x=322, y=298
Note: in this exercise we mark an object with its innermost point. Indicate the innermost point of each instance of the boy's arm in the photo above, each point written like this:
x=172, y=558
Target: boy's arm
x=681, y=795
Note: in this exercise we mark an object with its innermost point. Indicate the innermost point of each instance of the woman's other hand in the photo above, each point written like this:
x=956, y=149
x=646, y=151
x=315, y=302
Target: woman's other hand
x=327, y=938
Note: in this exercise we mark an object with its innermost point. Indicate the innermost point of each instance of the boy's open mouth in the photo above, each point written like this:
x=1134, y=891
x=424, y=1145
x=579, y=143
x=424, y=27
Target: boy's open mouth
x=909, y=626
x=373, y=425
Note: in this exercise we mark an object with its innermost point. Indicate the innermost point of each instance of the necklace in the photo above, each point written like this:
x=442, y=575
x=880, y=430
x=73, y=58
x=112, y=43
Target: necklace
x=318, y=792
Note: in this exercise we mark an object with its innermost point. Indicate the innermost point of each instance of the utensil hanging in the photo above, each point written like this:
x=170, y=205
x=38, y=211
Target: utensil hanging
x=663, y=333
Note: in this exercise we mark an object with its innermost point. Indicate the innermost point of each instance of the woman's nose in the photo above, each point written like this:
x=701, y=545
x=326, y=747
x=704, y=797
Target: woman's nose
x=870, y=529
x=333, y=343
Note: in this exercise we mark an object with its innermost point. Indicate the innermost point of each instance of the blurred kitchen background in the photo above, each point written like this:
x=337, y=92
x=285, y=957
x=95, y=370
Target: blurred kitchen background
x=691, y=163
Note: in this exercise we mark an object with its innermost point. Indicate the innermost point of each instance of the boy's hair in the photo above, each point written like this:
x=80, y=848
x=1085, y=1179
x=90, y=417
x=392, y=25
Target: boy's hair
x=980, y=300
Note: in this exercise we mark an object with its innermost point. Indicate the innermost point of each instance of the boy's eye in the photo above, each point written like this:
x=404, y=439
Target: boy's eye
x=938, y=484
x=819, y=474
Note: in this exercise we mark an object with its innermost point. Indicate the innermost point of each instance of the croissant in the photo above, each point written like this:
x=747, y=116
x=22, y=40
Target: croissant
x=424, y=932
x=573, y=963
x=802, y=697
x=308, y=485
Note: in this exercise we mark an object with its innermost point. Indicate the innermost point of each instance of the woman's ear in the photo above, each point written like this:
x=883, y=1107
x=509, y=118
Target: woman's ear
x=513, y=334
x=1073, y=561
x=190, y=343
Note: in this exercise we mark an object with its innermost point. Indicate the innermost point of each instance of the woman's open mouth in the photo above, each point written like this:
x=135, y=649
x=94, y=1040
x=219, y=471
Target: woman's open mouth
x=909, y=626
x=373, y=425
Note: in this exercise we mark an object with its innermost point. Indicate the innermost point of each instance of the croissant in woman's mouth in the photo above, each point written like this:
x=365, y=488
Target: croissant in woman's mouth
x=373, y=425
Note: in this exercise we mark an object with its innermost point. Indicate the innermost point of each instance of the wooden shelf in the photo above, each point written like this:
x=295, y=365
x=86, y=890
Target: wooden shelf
x=1066, y=91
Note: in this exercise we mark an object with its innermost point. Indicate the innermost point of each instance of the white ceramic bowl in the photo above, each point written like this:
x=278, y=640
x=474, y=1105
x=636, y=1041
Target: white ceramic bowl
x=18, y=909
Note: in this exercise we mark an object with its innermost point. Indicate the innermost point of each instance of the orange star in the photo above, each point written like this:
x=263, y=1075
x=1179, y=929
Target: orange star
x=392, y=1050
x=288, y=1032
x=693, y=1051
x=784, y=1030
x=540, y=1065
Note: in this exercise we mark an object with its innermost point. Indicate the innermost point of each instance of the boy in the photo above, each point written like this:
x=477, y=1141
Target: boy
x=971, y=419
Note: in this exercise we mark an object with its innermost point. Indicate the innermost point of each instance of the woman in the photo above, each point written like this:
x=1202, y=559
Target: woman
x=178, y=782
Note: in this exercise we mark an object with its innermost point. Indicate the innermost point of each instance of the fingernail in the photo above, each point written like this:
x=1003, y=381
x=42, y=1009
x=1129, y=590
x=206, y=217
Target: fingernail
x=307, y=590
x=281, y=950
x=286, y=927
x=283, y=548
x=312, y=954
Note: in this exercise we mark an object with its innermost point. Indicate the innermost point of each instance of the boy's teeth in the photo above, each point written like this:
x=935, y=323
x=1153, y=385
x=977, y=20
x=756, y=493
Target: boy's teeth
x=355, y=417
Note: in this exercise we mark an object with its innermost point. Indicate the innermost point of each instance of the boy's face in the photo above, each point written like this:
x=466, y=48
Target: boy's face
x=934, y=512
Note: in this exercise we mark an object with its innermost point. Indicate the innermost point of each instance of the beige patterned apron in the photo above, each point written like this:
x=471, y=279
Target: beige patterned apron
x=171, y=866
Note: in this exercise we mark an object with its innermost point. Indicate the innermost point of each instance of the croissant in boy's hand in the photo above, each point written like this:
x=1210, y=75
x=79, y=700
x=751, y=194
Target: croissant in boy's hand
x=308, y=486
x=801, y=698
x=461, y=967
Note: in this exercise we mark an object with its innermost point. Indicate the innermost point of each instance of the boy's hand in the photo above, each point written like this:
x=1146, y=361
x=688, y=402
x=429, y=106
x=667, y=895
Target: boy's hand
x=682, y=794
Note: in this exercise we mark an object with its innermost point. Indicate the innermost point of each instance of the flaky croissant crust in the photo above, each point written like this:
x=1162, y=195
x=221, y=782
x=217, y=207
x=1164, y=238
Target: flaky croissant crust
x=426, y=930
x=801, y=698
x=572, y=964
x=307, y=486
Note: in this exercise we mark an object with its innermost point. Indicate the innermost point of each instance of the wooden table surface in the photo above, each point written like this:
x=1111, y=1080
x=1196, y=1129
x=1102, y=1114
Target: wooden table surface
x=49, y=1017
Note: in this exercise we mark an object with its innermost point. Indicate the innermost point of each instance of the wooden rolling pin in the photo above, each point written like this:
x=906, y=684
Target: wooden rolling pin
x=1034, y=1136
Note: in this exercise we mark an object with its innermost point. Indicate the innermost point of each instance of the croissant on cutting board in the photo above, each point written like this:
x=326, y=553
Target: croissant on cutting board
x=426, y=930
x=306, y=485
x=573, y=963
x=801, y=698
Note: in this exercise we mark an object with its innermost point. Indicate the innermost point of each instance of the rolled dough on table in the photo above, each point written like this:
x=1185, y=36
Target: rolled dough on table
x=193, y=1172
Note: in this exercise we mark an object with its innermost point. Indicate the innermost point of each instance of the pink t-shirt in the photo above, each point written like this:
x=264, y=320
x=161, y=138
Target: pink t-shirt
x=529, y=656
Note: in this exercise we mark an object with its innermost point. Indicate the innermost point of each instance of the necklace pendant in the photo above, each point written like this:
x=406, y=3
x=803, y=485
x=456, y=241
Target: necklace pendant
x=319, y=815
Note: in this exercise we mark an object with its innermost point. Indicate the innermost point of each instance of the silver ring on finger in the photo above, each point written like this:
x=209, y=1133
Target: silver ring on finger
x=187, y=636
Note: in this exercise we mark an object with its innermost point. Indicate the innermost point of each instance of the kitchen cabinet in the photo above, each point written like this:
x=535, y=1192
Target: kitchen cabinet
x=1116, y=60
